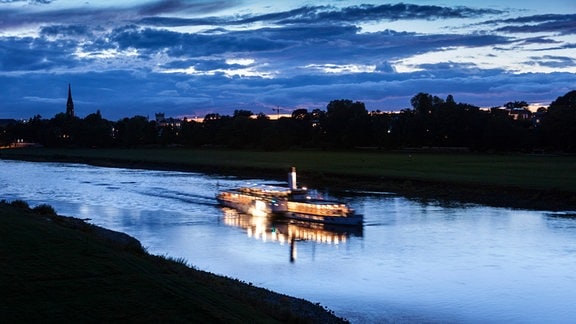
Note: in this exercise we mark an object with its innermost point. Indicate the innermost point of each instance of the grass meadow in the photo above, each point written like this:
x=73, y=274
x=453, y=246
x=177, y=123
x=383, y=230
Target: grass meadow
x=540, y=172
x=59, y=269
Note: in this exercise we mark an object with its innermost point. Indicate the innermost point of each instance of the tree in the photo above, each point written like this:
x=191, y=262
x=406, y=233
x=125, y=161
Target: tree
x=136, y=131
x=62, y=130
x=95, y=131
x=424, y=103
x=242, y=113
x=516, y=104
x=191, y=133
x=318, y=128
x=380, y=129
x=347, y=123
x=211, y=128
x=425, y=123
x=300, y=114
x=241, y=132
x=498, y=131
x=559, y=123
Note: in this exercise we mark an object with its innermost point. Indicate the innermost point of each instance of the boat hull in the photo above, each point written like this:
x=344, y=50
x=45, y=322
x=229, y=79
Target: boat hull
x=350, y=220
x=255, y=207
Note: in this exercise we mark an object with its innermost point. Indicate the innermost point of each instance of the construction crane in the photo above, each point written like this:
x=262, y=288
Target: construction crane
x=278, y=109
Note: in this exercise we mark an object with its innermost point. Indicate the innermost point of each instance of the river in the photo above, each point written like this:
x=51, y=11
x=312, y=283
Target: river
x=412, y=261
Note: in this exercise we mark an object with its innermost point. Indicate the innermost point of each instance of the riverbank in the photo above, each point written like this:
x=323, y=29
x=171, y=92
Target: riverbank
x=62, y=269
x=542, y=182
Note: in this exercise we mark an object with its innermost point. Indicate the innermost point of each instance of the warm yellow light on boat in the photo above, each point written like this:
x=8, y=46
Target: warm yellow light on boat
x=259, y=209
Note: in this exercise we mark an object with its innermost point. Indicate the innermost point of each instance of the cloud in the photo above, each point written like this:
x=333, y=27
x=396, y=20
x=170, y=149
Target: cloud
x=331, y=15
x=538, y=40
x=186, y=57
x=43, y=100
x=65, y=31
x=174, y=6
x=29, y=1
x=118, y=94
x=33, y=54
x=110, y=15
x=553, y=61
x=151, y=39
x=563, y=24
x=391, y=12
x=13, y=19
x=199, y=65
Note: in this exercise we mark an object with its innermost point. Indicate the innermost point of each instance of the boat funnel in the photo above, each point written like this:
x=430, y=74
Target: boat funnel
x=292, y=179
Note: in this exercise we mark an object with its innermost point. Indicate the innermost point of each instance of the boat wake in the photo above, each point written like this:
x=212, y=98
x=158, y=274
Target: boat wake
x=190, y=198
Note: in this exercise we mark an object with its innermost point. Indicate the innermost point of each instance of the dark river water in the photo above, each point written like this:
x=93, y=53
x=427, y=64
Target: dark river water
x=411, y=262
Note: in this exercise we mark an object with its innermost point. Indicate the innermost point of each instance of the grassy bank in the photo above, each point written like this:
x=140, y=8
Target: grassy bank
x=534, y=179
x=60, y=269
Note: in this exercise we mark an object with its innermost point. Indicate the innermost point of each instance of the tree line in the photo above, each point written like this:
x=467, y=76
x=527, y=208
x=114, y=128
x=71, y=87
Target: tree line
x=432, y=122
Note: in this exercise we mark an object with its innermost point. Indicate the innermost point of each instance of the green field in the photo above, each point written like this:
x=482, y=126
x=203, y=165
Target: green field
x=540, y=172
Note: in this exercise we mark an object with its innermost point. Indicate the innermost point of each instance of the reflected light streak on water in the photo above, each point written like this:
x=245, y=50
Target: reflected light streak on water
x=411, y=262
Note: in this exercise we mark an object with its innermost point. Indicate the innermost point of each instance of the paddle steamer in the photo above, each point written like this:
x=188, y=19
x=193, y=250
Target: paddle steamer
x=290, y=202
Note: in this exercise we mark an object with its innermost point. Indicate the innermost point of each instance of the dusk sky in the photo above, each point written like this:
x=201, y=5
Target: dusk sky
x=191, y=58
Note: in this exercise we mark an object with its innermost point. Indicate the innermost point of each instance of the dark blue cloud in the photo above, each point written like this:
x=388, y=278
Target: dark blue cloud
x=177, y=22
x=114, y=13
x=329, y=14
x=119, y=62
x=564, y=24
x=400, y=11
x=28, y=1
x=173, y=6
x=539, y=40
x=146, y=39
x=201, y=65
x=33, y=54
x=296, y=45
x=65, y=30
x=345, y=45
x=553, y=61
x=192, y=45
x=118, y=94
x=12, y=18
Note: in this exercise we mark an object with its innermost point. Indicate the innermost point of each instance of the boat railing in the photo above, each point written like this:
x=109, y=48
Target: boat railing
x=265, y=192
x=319, y=209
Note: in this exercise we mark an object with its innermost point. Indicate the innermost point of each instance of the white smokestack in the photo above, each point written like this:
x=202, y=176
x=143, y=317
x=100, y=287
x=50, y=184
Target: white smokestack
x=292, y=179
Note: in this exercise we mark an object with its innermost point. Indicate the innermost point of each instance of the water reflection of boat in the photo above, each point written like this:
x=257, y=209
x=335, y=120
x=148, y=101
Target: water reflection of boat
x=289, y=231
x=290, y=202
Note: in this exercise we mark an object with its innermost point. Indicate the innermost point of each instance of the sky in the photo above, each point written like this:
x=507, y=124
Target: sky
x=191, y=58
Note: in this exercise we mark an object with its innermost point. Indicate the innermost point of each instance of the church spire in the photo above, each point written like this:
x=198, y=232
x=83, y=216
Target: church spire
x=69, y=103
